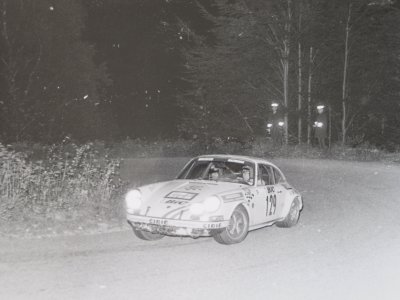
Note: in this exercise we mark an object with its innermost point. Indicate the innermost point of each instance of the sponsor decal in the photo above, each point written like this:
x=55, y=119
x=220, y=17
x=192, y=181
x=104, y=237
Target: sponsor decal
x=158, y=221
x=212, y=226
x=194, y=187
x=173, y=201
x=271, y=205
x=181, y=195
x=232, y=197
x=205, y=159
x=248, y=194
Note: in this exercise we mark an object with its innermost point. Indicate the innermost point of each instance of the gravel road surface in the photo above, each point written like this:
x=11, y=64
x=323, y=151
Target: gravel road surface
x=346, y=246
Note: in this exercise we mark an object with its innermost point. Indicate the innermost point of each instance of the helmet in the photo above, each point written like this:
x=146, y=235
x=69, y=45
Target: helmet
x=214, y=169
x=246, y=168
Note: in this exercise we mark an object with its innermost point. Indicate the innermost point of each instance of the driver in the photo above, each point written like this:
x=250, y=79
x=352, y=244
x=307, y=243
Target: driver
x=246, y=170
x=213, y=173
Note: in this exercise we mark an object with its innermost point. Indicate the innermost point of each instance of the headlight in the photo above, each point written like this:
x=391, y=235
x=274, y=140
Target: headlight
x=281, y=123
x=133, y=200
x=197, y=208
x=212, y=204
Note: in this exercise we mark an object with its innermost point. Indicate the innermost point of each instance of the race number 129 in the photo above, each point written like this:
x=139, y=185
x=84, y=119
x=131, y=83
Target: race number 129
x=271, y=204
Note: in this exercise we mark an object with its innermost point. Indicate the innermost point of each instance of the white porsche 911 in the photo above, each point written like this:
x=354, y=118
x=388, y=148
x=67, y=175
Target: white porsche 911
x=224, y=196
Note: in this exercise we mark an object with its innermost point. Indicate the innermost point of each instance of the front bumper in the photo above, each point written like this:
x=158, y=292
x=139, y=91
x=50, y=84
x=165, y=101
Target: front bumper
x=192, y=228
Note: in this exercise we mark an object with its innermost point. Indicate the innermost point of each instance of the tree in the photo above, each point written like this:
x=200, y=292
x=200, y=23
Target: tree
x=222, y=98
x=49, y=80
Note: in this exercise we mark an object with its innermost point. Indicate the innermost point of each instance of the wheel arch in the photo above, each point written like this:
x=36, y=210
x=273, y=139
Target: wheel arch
x=297, y=199
x=236, y=205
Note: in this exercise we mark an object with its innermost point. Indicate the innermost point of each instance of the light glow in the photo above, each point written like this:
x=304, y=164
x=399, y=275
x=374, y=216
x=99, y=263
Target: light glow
x=269, y=125
x=281, y=123
x=212, y=204
x=133, y=200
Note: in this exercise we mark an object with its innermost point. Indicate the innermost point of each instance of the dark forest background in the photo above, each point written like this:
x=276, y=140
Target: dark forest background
x=205, y=69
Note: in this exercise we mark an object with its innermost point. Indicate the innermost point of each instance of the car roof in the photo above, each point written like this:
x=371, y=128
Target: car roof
x=238, y=157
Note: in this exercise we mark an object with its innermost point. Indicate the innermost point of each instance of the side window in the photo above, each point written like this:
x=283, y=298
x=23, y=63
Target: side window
x=265, y=175
x=278, y=176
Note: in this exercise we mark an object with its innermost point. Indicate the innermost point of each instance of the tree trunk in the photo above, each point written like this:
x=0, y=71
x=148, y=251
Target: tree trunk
x=286, y=45
x=309, y=86
x=299, y=90
x=299, y=100
x=345, y=72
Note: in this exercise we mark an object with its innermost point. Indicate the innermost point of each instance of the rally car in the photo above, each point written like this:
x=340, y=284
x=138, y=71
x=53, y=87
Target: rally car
x=222, y=196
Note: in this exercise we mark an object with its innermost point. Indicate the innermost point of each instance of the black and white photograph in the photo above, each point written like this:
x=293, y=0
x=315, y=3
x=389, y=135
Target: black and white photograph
x=200, y=149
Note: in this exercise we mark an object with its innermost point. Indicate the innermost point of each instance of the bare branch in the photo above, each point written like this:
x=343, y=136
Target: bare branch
x=244, y=119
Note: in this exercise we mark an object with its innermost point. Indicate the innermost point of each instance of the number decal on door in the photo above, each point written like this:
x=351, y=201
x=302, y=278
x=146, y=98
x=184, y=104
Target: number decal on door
x=271, y=204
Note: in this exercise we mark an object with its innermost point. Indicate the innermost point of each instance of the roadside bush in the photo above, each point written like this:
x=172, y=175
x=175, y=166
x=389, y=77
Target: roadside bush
x=260, y=147
x=72, y=184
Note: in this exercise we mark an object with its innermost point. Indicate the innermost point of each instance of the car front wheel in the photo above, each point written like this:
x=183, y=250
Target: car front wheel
x=147, y=236
x=237, y=229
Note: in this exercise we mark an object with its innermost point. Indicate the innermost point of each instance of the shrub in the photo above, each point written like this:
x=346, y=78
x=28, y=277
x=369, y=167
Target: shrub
x=73, y=183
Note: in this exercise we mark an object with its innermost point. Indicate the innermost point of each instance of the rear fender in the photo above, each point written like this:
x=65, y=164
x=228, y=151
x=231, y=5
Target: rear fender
x=297, y=199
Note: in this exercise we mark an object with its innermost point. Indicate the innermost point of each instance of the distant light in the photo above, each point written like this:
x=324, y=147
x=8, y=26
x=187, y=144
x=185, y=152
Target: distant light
x=180, y=37
x=320, y=106
x=158, y=91
x=51, y=8
x=274, y=104
x=85, y=97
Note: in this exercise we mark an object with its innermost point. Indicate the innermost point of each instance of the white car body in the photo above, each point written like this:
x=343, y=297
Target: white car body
x=200, y=206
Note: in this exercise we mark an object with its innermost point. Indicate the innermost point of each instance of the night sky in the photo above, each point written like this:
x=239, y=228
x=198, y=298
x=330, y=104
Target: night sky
x=141, y=47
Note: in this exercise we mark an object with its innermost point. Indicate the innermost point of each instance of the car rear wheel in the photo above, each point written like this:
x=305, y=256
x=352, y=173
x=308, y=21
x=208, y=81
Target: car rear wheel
x=147, y=236
x=292, y=217
x=237, y=229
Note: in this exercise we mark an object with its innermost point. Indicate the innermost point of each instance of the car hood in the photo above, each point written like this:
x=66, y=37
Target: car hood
x=175, y=197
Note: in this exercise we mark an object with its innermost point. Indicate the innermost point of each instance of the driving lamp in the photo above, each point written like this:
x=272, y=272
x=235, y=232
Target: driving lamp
x=133, y=200
x=212, y=204
x=281, y=123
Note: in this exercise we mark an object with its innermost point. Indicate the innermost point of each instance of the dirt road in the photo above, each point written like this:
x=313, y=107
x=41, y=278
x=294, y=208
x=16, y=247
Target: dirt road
x=346, y=246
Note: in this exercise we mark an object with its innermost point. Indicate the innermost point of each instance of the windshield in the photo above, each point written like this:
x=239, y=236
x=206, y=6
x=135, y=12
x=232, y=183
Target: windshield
x=227, y=170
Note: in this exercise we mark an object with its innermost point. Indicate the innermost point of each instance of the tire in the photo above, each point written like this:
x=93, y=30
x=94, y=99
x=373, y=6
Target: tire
x=237, y=229
x=147, y=236
x=292, y=217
